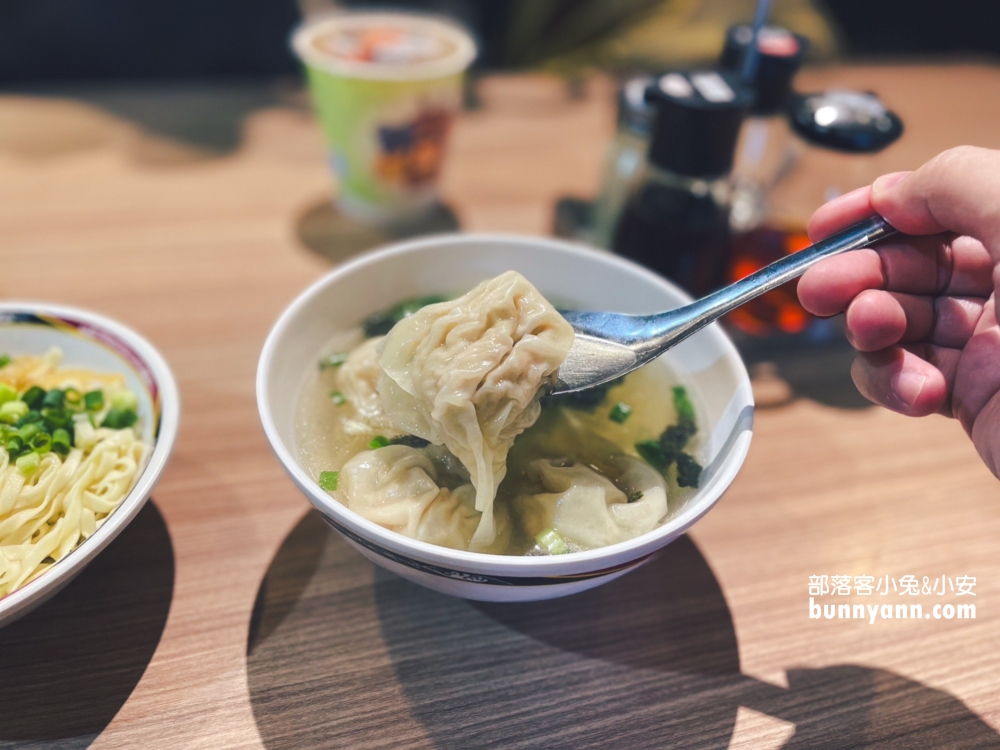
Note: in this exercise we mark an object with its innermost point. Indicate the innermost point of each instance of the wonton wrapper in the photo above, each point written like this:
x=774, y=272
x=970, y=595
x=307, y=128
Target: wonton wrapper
x=466, y=374
x=589, y=510
x=358, y=381
x=396, y=487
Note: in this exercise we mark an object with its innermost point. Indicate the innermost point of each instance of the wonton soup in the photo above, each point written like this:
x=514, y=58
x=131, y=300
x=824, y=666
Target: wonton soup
x=431, y=420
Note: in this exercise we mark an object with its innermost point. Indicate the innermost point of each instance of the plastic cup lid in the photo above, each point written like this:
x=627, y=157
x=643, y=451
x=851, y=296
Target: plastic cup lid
x=384, y=46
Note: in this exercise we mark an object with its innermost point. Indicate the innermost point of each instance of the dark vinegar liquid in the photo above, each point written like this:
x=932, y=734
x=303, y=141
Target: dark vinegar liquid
x=777, y=311
x=680, y=234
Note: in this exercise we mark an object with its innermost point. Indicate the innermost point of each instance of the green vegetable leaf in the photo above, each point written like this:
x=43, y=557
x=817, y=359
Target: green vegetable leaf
x=379, y=441
x=328, y=480
x=381, y=323
x=652, y=453
x=683, y=405
x=688, y=471
x=674, y=438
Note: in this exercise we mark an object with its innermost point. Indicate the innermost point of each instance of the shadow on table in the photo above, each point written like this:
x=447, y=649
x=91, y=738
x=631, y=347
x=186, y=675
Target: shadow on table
x=329, y=233
x=180, y=120
x=816, y=366
x=343, y=654
x=69, y=666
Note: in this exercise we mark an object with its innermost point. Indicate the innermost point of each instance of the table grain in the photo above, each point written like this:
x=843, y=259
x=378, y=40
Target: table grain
x=229, y=616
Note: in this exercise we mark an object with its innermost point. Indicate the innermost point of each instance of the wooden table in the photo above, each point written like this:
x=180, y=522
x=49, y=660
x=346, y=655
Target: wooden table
x=179, y=211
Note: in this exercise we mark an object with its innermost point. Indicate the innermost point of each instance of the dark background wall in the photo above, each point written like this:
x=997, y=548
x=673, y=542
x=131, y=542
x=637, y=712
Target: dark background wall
x=61, y=40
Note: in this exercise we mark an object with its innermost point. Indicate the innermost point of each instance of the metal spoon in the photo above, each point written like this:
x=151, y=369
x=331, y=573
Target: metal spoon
x=609, y=345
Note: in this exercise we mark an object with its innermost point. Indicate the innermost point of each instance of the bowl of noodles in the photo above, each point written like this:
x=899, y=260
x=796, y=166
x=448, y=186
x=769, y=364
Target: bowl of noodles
x=88, y=416
x=408, y=394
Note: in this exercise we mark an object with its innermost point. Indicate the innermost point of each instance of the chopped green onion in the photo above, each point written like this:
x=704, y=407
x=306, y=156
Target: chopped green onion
x=29, y=431
x=73, y=399
x=14, y=446
x=688, y=471
x=12, y=411
x=33, y=397
x=28, y=463
x=328, y=480
x=119, y=419
x=94, y=400
x=7, y=393
x=338, y=398
x=30, y=418
x=683, y=405
x=125, y=401
x=54, y=399
x=552, y=542
x=55, y=417
x=4, y=360
x=41, y=443
x=379, y=441
x=61, y=442
x=620, y=412
x=652, y=452
x=635, y=496
x=333, y=360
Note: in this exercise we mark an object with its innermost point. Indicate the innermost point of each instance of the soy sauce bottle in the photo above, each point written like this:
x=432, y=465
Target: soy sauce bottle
x=676, y=220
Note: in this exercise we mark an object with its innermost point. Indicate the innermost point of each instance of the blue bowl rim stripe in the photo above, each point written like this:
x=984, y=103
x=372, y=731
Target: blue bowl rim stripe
x=458, y=575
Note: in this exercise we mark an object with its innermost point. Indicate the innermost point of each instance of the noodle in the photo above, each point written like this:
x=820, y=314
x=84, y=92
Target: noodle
x=48, y=511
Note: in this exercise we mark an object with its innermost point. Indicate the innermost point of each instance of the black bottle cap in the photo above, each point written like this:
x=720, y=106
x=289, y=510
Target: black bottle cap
x=697, y=121
x=780, y=57
x=849, y=121
x=635, y=114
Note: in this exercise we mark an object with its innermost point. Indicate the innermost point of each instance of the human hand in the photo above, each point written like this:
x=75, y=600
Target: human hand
x=921, y=309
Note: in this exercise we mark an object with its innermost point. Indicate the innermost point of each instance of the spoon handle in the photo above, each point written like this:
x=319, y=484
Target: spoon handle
x=671, y=327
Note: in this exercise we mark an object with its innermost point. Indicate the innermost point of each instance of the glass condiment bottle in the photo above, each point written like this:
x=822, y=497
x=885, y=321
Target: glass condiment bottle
x=626, y=157
x=843, y=133
x=676, y=219
x=766, y=149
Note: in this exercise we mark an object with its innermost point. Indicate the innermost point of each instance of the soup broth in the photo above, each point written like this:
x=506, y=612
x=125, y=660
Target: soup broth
x=570, y=432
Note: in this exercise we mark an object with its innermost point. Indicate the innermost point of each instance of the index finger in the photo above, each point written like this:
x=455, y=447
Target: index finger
x=932, y=265
x=841, y=212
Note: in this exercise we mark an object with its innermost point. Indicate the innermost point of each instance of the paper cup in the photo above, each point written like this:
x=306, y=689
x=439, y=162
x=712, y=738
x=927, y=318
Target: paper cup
x=386, y=88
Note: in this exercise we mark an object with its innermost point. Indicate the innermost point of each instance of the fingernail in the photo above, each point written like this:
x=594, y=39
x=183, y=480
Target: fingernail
x=887, y=181
x=907, y=386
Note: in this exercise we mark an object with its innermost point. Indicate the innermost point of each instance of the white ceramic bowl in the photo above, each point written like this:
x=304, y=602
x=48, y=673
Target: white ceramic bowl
x=562, y=271
x=96, y=343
